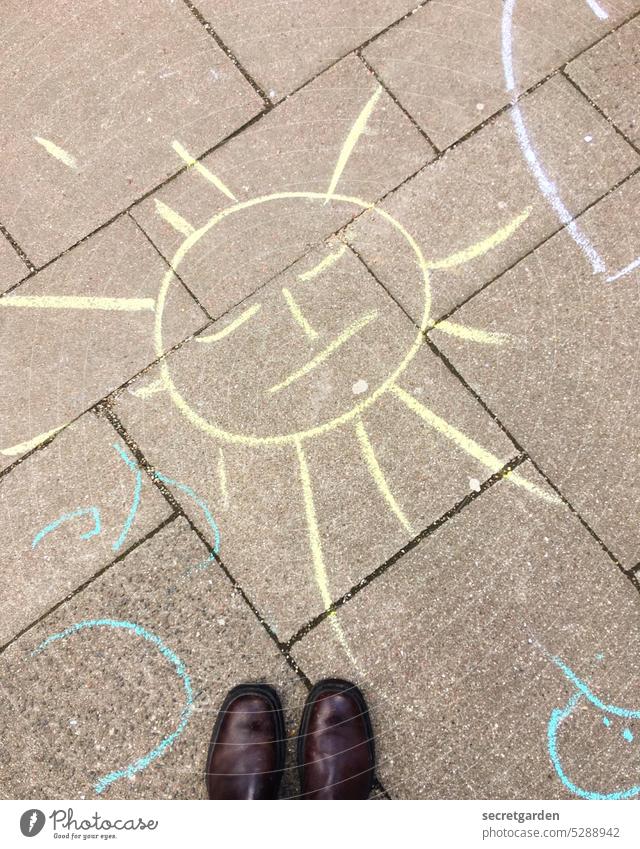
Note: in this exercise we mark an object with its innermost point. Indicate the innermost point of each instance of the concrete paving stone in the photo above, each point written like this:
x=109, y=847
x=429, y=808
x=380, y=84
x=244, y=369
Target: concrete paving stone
x=111, y=86
x=454, y=648
x=444, y=63
x=80, y=470
x=111, y=695
x=565, y=383
x=371, y=486
x=295, y=148
x=485, y=185
x=609, y=74
x=284, y=44
x=61, y=356
x=12, y=268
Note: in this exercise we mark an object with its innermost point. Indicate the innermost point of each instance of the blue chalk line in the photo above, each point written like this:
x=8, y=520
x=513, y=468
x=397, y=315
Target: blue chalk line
x=165, y=651
x=136, y=496
x=84, y=511
x=205, y=509
x=558, y=716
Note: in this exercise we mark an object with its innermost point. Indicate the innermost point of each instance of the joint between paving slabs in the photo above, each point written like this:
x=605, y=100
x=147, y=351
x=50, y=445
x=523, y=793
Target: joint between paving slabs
x=628, y=573
x=383, y=84
x=17, y=248
x=409, y=546
x=106, y=412
x=532, y=250
x=600, y=111
x=169, y=266
x=259, y=90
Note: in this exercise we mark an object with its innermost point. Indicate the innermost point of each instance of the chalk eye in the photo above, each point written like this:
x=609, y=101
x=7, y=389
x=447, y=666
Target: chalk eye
x=628, y=736
x=606, y=721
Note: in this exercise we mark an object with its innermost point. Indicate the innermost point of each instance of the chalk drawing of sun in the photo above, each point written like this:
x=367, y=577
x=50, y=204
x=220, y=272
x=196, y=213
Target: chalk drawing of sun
x=279, y=416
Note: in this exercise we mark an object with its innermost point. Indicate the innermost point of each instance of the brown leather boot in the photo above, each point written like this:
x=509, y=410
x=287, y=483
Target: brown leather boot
x=247, y=749
x=336, y=755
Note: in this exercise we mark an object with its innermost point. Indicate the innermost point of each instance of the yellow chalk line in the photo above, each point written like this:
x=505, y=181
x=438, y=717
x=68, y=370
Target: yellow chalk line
x=222, y=477
x=354, y=328
x=234, y=325
x=378, y=475
x=77, y=302
x=23, y=447
x=469, y=445
x=319, y=568
x=150, y=389
x=57, y=152
x=323, y=265
x=174, y=219
x=483, y=246
x=352, y=139
x=296, y=312
x=472, y=334
x=201, y=169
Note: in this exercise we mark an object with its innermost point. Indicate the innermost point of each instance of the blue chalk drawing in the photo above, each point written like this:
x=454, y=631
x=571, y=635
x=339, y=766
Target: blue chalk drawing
x=165, y=651
x=205, y=509
x=558, y=716
x=66, y=517
x=136, y=496
x=133, y=510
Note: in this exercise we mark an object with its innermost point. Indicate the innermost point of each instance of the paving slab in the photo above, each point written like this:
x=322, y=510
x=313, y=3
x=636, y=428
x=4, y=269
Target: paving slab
x=564, y=382
x=480, y=206
x=317, y=483
x=12, y=268
x=455, y=645
x=294, y=149
x=68, y=511
x=609, y=74
x=445, y=62
x=91, y=102
x=113, y=694
x=80, y=328
x=286, y=43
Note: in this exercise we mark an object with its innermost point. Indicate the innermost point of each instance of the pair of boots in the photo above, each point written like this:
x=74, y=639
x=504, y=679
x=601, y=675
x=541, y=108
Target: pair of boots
x=336, y=756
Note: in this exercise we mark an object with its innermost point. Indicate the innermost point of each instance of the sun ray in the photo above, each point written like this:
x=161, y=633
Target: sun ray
x=222, y=478
x=296, y=312
x=150, y=389
x=78, y=302
x=472, y=334
x=57, y=152
x=319, y=569
x=327, y=262
x=174, y=219
x=202, y=170
x=354, y=328
x=378, y=475
x=23, y=447
x=483, y=246
x=234, y=325
x=470, y=446
x=352, y=139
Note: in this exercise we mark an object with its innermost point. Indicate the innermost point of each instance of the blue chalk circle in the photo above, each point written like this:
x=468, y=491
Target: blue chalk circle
x=559, y=715
x=67, y=517
x=137, y=630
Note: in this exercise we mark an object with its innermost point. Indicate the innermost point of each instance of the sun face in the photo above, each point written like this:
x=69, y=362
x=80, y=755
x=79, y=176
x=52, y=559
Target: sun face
x=275, y=399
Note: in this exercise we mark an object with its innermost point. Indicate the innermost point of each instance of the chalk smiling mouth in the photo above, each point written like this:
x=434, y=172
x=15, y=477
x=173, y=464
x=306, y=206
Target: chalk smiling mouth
x=323, y=355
